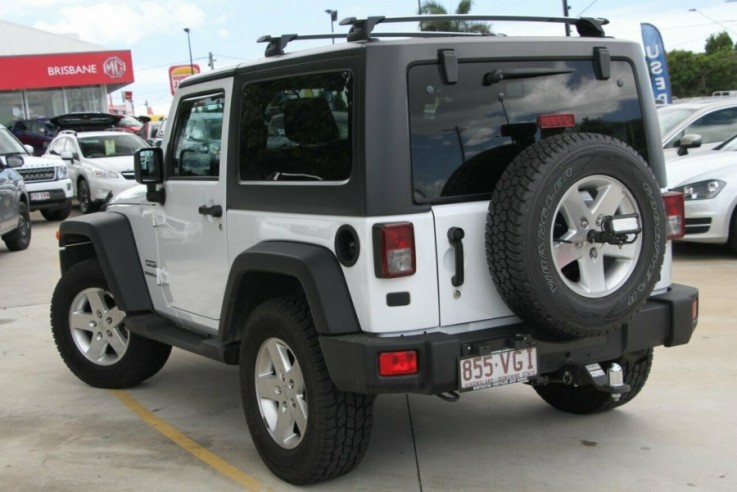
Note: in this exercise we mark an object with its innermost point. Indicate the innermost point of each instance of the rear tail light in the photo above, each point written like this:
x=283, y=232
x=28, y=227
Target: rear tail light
x=398, y=363
x=546, y=121
x=675, y=213
x=394, y=250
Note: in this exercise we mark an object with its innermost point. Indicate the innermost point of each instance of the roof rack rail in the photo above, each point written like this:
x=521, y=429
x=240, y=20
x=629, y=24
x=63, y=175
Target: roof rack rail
x=362, y=29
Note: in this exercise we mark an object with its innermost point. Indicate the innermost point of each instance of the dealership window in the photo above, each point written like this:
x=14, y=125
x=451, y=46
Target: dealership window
x=45, y=103
x=11, y=107
x=85, y=99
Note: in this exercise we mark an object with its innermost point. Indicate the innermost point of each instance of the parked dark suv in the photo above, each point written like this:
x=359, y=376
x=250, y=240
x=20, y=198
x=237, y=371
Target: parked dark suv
x=36, y=132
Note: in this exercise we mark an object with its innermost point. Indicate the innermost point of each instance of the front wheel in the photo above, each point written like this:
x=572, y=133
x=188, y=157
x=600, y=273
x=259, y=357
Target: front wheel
x=57, y=214
x=90, y=334
x=305, y=429
x=584, y=400
x=20, y=238
x=84, y=197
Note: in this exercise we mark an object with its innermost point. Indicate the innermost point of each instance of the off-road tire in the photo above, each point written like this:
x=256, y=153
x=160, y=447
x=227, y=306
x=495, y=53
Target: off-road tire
x=57, y=214
x=122, y=359
x=336, y=425
x=545, y=205
x=584, y=400
x=20, y=238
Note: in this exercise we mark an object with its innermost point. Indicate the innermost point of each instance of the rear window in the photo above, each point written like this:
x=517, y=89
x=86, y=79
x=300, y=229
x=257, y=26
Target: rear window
x=464, y=135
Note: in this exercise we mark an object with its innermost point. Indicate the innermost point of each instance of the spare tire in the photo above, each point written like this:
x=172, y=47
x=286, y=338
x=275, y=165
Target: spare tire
x=549, y=245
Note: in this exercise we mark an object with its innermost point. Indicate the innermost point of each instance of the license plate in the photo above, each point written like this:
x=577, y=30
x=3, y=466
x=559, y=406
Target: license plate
x=497, y=368
x=40, y=196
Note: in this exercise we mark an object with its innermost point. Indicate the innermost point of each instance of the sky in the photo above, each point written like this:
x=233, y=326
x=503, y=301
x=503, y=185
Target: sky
x=154, y=30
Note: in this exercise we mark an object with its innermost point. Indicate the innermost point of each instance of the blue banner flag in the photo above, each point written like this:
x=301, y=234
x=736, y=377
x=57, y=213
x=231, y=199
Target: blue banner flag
x=656, y=63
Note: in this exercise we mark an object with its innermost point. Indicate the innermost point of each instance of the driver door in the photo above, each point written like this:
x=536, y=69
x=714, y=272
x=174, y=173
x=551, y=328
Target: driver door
x=190, y=225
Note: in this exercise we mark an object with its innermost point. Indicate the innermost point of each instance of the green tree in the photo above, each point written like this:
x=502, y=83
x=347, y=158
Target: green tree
x=718, y=42
x=700, y=74
x=464, y=7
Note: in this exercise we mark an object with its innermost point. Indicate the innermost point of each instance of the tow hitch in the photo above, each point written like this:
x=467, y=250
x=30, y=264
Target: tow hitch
x=611, y=381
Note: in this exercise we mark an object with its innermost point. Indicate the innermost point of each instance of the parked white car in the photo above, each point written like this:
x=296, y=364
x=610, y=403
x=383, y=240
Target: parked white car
x=697, y=125
x=46, y=180
x=99, y=163
x=709, y=183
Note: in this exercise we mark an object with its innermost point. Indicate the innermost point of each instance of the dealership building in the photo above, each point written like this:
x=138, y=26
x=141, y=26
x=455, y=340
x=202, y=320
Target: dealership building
x=46, y=74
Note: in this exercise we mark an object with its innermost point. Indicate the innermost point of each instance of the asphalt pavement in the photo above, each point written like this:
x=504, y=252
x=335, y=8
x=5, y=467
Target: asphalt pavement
x=184, y=430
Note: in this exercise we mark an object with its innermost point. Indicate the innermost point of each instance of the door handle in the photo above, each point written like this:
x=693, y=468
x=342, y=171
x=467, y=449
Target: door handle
x=214, y=210
x=455, y=236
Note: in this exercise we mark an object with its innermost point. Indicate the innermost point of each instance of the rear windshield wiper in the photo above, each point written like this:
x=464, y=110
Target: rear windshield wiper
x=496, y=76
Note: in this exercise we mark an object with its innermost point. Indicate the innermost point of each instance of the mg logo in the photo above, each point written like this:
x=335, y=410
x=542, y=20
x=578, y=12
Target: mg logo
x=114, y=67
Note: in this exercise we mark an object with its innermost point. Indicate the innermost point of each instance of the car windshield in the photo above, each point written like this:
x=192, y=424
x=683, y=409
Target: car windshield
x=9, y=144
x=122, y=144
x=669, y=117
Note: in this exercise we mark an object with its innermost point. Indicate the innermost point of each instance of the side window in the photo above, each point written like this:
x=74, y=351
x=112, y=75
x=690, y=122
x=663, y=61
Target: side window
x=297, y=128
x=57, y=147
x=716, y=126
x=198, y=137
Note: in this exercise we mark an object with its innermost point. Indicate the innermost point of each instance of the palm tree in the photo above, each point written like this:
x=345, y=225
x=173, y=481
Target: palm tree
x=464, y=7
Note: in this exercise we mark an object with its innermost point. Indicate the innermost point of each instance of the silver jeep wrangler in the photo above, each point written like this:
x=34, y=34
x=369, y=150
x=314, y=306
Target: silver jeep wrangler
x=431, y=214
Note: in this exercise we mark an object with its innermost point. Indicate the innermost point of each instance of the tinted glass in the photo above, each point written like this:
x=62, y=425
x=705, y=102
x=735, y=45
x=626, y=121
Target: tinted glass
x=464, y=135
x=297, y=129
x=198, y=137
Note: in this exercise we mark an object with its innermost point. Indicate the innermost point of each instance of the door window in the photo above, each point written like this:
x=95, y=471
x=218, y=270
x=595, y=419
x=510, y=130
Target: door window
x=198, y=137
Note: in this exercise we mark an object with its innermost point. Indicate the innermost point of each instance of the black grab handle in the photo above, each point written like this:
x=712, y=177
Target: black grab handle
x=215, y=210
x=455, y=236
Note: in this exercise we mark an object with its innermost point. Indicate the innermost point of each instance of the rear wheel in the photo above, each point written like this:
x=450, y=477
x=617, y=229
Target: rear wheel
x=587, y=399
x=305, y=429
x=90, y=334
x=20, y=238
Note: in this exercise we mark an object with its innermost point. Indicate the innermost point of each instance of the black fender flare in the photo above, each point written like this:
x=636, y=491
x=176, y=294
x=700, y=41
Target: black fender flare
x=315, y=268
x=114, y=246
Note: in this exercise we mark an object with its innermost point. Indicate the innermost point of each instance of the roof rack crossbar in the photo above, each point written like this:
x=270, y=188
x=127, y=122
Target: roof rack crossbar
x=362, y=29
x=586, y=26
x=278, y=43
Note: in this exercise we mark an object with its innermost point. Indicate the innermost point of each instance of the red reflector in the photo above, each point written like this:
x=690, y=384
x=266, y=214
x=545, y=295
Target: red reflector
x=675, y=212
x=556, y=121
x=398, y=363
x=395, y=246
x=695, y=309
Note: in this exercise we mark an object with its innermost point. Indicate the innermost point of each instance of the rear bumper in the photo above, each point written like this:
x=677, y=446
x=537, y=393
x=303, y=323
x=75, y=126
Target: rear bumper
x=352, y=360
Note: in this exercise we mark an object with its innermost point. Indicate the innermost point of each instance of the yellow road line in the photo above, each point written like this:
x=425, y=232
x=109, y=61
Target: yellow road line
x=186, y=443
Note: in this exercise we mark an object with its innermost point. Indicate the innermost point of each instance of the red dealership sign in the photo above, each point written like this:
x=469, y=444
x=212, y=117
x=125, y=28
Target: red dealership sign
x=65, y=70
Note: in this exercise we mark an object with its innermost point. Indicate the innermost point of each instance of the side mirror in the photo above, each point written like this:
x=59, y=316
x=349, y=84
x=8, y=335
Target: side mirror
x=148, y=165
x=13, y=161
x=67, y=156
x=690, y=141
x=29, y=149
